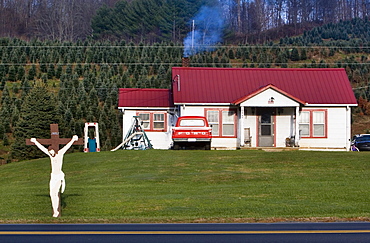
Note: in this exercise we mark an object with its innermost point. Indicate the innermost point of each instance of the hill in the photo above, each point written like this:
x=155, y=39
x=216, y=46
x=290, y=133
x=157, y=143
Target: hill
x=82, y=78
x=156, y=186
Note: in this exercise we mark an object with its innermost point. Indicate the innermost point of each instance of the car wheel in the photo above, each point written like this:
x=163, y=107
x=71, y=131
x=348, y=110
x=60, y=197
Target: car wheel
x=176, y=146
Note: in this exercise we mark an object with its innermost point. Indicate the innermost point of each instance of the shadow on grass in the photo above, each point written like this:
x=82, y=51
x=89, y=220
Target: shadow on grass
x=64, y=197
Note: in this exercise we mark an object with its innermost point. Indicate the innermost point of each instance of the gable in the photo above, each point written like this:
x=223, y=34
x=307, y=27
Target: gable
x=227, y=85
x=271, y=97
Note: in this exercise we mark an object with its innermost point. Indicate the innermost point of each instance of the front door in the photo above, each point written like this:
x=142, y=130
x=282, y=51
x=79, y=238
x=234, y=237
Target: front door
x=266, y=127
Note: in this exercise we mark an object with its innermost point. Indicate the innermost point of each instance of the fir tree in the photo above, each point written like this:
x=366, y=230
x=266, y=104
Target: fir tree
x=32, y=72
x=5, y=140
x=51, y=71
x=295, y=55
x=12, y=75
x=38, y=111
x=59, y=71
x=6, y=110
x=21, y=73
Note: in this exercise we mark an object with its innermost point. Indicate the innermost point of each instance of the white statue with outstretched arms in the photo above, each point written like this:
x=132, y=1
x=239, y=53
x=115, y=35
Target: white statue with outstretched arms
x=57, y=176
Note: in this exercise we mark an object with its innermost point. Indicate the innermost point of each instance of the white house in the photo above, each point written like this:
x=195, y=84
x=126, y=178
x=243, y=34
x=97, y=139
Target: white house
x=309, y=108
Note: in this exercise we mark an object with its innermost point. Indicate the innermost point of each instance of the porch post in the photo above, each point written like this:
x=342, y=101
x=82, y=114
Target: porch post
x=241, y=126
x=297, y=137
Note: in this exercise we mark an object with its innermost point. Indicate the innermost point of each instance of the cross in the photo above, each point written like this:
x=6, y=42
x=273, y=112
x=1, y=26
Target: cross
x=54, y=139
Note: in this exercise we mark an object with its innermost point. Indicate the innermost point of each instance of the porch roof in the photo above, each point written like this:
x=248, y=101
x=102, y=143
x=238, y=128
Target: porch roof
x=233, y=85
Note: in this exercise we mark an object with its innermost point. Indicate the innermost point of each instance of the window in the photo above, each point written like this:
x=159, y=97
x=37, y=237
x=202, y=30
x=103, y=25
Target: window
x=312, y=123
x=304, y=124
x=228, y=122
x=192, y=123
x=223, y=122
x=318, y=123
x=158, y=121
x=153, y=121
x=145, y=118
x=212, y=117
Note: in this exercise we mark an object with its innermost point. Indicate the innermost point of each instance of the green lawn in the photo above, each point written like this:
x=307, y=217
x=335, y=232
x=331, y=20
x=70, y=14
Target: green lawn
x=191, y=186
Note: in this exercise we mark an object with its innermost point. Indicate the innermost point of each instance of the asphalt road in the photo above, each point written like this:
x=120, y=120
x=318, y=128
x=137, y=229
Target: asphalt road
x=275, y=232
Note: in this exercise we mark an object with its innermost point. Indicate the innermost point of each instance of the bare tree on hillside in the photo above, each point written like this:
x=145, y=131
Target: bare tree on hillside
x=9, y=24
x=56, y=19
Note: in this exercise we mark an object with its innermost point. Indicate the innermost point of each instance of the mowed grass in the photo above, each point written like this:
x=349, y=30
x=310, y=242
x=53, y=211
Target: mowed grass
x=161, y=186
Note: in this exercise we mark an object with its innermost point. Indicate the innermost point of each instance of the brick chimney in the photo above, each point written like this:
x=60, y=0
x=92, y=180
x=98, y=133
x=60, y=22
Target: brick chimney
x=185, y=62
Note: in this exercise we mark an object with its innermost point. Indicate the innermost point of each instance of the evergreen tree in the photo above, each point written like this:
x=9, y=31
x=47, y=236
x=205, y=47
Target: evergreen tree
x=59, y=71
x=303, y=54
x=3, y=83
x=93, y=104
x=51, y=71
x=25, y=87
x=6, y=110
x=21, y=73
x=294, y=55
x=43, y=66
x=2, y=70
x=5, y=140
x=32, y=72
x=38, y=111
x=12, y=75
x=44, y=78
x=69, y=69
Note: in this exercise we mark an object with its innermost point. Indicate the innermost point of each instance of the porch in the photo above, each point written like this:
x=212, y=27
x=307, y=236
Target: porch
x=270, y=149
x=268, y=127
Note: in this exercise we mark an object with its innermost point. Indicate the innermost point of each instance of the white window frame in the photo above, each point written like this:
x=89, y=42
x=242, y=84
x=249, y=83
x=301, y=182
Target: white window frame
x=153, y=120
x=314, y=121
x=221, y=122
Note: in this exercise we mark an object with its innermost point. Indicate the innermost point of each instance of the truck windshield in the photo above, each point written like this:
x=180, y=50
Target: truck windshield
x=192, y=123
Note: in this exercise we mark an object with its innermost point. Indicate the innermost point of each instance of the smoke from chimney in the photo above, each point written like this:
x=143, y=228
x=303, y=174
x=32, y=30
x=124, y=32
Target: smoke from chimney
x=207, y=31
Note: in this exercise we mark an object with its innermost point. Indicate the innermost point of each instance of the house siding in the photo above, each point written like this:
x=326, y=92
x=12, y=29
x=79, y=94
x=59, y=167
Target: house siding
x=159, y=140
x=338, y=122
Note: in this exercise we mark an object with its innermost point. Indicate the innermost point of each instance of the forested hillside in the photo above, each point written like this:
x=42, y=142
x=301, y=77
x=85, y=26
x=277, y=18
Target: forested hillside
x=151, y=21
x=74, y=82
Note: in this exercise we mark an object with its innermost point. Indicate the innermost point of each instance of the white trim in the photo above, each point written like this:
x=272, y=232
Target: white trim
x=277, y=106
x=296, y=127
x=271, y=98
x=146, y=108
x=241, y=125
x=231, y=104
x=330, y=105
x=207, y=104
x=348, y=128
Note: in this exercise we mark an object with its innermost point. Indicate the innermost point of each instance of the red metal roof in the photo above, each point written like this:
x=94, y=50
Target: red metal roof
x=230, y=85
x=129, y=97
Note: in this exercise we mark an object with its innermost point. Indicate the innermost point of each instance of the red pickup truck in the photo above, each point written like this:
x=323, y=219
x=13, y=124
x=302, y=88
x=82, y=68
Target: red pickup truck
x=192, y=132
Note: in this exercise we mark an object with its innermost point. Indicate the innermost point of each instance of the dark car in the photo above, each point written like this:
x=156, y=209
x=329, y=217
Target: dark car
x=362, y=142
